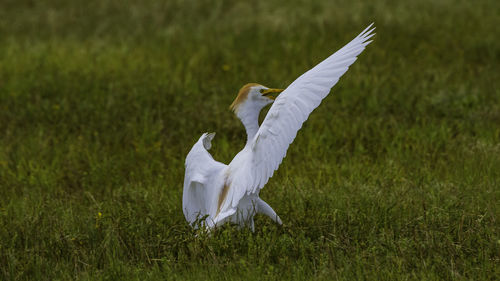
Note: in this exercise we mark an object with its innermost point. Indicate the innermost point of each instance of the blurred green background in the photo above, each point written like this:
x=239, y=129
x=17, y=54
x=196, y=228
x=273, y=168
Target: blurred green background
x=395, y=176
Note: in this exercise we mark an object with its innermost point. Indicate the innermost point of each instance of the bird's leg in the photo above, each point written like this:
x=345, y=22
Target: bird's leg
x=264, y=208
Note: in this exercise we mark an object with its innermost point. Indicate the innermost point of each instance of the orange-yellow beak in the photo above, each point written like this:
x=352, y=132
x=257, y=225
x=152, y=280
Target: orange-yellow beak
x=268, y=92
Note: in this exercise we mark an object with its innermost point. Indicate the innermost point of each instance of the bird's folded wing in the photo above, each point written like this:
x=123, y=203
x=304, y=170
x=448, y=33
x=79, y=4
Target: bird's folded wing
x=285, y=118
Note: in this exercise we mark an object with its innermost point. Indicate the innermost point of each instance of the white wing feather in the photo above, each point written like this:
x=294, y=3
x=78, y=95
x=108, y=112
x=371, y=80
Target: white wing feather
x=199, y=184
x=285, y=118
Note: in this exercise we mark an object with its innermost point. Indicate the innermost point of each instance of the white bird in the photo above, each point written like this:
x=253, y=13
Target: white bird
x=215, y=193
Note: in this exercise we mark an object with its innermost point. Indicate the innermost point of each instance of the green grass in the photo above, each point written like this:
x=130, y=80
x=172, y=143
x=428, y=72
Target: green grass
x=394, y=177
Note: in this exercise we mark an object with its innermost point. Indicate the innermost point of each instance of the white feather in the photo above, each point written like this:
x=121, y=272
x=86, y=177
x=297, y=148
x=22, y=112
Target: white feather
x=230, y=192
x=301, y=98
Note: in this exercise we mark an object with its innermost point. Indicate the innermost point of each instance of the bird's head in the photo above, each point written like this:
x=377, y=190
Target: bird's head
x=254, y=96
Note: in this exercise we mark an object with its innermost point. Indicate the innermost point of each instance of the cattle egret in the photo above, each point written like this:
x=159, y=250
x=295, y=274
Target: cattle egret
x=215, y=193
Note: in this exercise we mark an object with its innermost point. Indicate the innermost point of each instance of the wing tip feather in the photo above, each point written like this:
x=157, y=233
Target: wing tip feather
x=367, y=31
x=367, y=42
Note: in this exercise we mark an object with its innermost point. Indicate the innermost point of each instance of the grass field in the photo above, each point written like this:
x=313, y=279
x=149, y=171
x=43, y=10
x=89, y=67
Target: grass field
x=396, y=176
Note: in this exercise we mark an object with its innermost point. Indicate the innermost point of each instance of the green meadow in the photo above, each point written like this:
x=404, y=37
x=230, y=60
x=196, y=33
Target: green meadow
x=396, y=176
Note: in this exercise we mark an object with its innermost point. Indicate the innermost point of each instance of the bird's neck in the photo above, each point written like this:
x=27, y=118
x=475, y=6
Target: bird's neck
x=249, y=116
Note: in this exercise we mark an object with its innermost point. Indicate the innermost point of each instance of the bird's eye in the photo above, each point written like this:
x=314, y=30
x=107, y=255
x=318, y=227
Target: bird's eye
x=261, y=91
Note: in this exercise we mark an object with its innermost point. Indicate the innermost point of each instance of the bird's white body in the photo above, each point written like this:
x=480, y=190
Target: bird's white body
x=215, y=193
x=204, y=182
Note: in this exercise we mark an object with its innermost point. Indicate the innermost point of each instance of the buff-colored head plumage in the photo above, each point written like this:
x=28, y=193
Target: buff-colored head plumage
x=242, y=96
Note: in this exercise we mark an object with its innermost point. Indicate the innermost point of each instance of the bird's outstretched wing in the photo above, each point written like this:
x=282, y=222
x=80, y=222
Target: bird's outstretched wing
x=198, y=180
x=285, y=118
